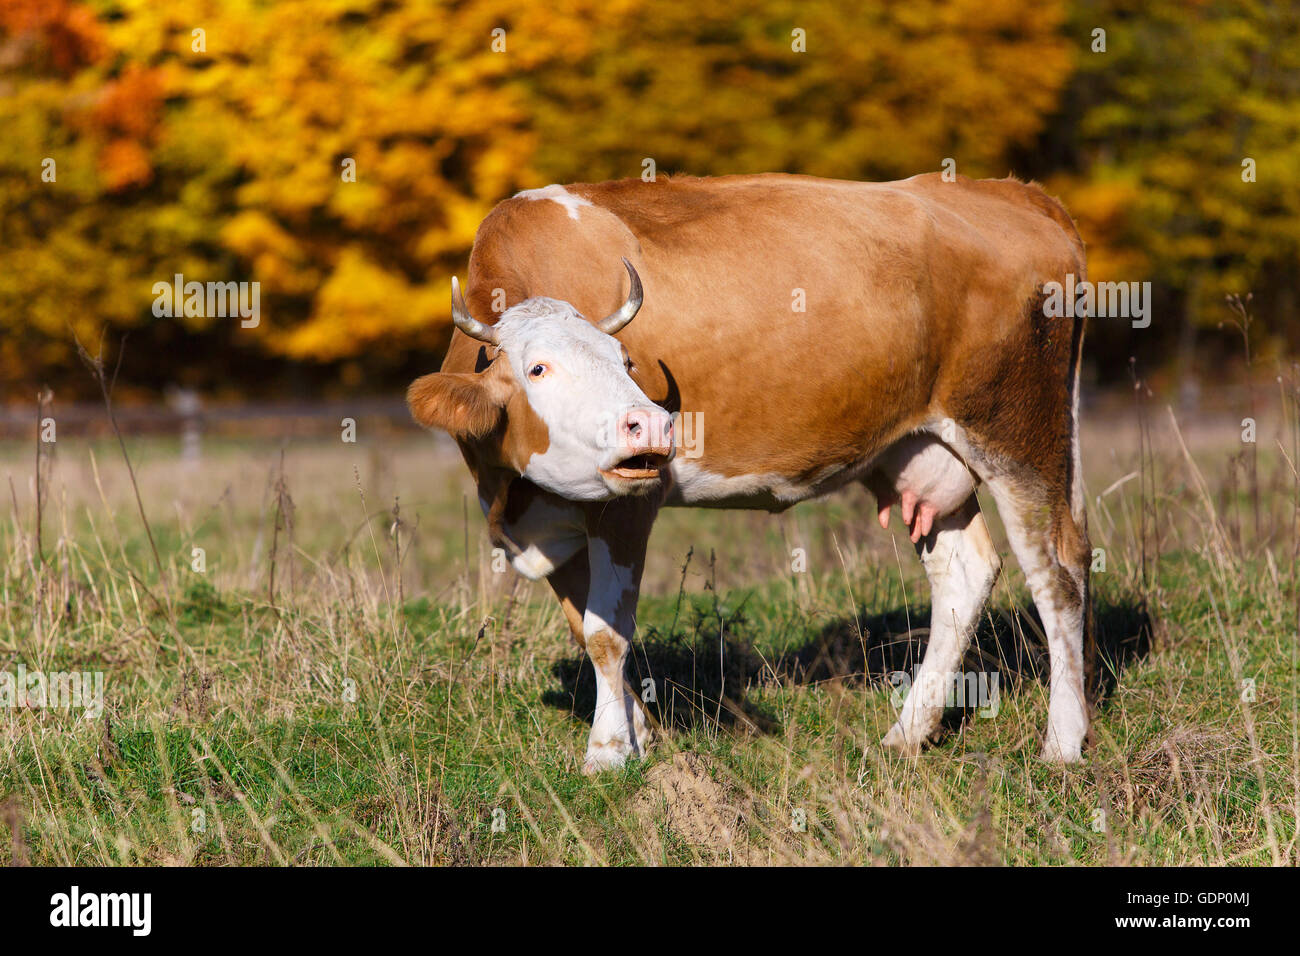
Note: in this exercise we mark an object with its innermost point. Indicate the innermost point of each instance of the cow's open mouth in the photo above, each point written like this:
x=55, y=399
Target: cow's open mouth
x=639, y=467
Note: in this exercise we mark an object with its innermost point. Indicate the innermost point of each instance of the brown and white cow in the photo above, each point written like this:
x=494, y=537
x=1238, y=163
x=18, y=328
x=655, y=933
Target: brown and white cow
x=922, y=364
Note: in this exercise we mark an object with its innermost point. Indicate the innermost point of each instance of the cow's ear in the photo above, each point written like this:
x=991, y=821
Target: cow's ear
x=462, y=403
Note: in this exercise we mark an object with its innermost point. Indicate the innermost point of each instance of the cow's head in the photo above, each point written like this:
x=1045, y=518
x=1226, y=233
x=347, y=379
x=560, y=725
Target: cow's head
x=556, y=404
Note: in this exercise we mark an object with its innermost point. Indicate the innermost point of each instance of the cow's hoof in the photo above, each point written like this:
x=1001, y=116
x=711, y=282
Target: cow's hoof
x=606, y=756
x=1054, y=752
x=901, y=743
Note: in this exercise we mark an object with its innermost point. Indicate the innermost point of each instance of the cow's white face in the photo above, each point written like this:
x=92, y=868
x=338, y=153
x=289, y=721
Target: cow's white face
x=606, y=437
x=602, y=436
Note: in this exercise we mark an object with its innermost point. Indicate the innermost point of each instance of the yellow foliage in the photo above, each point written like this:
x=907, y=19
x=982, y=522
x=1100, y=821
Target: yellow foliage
x=342, y=153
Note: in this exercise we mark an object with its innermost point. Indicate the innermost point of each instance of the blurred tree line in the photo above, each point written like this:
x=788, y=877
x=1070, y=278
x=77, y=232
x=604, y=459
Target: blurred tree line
x=342, y=152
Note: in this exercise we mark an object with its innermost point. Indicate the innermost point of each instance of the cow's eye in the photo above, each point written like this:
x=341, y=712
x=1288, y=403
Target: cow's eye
x=537, y=371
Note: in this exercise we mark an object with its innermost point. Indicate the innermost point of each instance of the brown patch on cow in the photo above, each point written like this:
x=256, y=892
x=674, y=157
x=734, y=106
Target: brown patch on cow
x=624, y=525
x=463, y=404
x=1001, y=380
x=525, y=434
x=1034, y=194
x=606, y=648
x=494, y=488
x=521, y=496
x=1072, y=546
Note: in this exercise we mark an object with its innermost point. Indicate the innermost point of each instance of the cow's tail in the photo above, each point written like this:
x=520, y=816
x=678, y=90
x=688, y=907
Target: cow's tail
x=1078, y=498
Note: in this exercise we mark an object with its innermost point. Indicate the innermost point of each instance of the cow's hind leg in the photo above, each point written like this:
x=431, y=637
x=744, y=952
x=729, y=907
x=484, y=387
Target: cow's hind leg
x=1049, y=536
x=962, y=566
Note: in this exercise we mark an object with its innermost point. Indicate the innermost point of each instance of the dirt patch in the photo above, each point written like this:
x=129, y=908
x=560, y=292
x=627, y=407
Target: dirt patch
x=693, y=808
x=1175, y=768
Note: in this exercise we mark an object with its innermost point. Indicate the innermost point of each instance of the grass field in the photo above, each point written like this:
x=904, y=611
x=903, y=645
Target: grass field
x=346, y=680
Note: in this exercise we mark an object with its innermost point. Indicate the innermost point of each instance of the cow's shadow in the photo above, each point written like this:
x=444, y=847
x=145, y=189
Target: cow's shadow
x=699, y=673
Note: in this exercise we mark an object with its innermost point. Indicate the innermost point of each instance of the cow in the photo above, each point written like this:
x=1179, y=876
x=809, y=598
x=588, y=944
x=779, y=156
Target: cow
x=821, y=332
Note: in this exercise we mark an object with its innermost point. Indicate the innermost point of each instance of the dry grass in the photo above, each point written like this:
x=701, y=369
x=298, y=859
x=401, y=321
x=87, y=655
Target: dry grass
x=348, y=681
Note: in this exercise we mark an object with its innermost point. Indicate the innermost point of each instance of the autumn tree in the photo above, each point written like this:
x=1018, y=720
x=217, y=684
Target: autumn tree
x=342, y=155
x=1180, y=163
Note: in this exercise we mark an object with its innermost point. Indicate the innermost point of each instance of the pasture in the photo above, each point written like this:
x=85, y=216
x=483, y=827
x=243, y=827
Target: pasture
x=340, y=676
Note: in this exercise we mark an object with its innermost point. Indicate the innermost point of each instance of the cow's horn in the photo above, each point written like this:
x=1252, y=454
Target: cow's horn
x=615, y=321
x=466, y=322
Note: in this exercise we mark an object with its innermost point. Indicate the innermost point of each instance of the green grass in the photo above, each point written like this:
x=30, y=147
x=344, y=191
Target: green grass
x=385, y=702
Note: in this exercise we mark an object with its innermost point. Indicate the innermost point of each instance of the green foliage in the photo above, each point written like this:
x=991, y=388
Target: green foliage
x=1161, y=124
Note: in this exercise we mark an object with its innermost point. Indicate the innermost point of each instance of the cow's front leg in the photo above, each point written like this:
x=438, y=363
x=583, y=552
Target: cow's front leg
x=617, y=533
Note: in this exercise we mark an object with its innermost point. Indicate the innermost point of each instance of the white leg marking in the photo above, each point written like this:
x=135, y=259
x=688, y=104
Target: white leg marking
x=1067, y=709
x=618, y=730
x=962, y=566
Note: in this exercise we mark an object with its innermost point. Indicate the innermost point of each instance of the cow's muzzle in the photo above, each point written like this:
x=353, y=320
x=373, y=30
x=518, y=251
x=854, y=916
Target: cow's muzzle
x=645, y=445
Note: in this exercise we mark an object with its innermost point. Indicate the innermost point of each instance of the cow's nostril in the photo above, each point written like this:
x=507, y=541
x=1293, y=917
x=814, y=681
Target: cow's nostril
x=634, y=429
